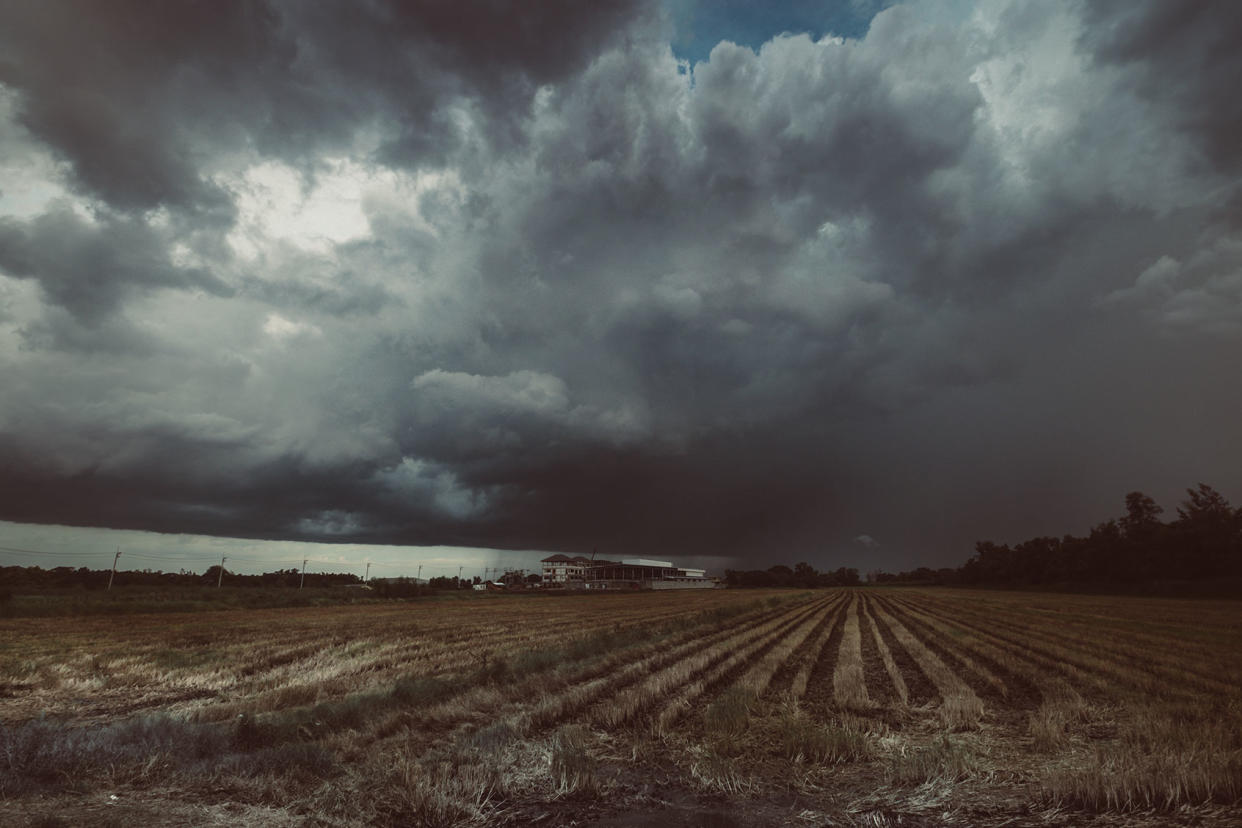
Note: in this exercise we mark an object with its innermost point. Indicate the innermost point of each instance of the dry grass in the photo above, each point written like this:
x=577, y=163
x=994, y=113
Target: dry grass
x=573, y=768
x=886, y=656
x=1165, y=758
x=719, y=774
x=944, y=760
x=849, y=686
x=802, y=739
x=494, y=711
x=797, y=688
x=960, y=708
x=1050, y=723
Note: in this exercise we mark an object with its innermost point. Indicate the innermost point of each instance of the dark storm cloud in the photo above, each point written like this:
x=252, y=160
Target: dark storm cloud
x=88, y=267
x=1187, y=59
x=483, y=274
x=139, y=97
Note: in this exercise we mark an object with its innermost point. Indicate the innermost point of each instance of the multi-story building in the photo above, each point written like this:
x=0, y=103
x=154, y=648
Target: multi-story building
x=565, y=571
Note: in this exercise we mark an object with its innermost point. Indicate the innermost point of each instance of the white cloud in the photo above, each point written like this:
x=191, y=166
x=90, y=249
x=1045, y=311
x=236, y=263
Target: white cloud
x=279, y=328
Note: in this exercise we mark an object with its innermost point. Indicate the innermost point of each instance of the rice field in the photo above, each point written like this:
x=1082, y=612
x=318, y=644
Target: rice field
x=844, y=707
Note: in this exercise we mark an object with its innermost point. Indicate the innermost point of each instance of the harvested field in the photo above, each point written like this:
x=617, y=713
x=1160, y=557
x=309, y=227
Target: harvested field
x=843, y=707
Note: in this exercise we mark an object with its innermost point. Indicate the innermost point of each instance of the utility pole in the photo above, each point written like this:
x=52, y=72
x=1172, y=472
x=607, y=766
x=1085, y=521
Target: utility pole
x=419, y=579
x=114, y=560
x=367, y=577
x=302, y=582
x=459, y=577
x=220, y=577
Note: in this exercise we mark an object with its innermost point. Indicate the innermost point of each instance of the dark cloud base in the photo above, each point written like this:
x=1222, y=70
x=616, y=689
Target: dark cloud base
x=507, y=275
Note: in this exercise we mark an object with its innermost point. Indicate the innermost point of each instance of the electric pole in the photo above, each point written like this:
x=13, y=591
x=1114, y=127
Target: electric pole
x=302, y=582
x=367, y=577
x=114, y=560
x=220, y=577
x=459, y=577
x=419, y=579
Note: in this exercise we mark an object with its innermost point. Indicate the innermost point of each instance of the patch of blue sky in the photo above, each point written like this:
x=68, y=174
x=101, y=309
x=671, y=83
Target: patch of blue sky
x=698, y=25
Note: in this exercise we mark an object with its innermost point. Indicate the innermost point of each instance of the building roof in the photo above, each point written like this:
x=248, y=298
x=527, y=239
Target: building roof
x=559, y=558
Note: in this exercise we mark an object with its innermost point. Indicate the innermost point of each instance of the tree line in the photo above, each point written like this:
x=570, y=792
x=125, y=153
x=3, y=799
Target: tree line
x=803, y=576
x=36, y=578
x=1203, y=541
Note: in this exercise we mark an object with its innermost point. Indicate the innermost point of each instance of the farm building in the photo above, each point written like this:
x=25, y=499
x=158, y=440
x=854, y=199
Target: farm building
x=628, y=573
x=562, y=570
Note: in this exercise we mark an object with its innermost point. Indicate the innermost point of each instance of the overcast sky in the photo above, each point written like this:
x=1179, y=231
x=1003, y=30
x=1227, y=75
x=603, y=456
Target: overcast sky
x=672, y=279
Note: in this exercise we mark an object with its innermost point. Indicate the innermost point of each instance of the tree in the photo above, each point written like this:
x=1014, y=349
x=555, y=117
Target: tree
x=804, y=574
x=1211, y=533
x=781, y=575
x=1206, y=505
x=1141, y=520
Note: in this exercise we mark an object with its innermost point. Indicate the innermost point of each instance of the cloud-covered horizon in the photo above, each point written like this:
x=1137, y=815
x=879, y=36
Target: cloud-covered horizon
x=517, y=276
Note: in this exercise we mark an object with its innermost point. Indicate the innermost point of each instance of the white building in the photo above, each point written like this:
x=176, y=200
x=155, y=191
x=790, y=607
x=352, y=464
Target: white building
x=562, y=570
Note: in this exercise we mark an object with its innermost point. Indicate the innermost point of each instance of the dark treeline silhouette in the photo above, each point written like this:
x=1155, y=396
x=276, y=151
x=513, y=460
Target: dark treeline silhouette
x=412, y=588
x=34, y=578
x=803, y=575
x=1203, y=542
x=922, y=575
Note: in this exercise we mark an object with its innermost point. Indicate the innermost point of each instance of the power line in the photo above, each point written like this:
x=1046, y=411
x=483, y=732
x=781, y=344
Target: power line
x=16, y=551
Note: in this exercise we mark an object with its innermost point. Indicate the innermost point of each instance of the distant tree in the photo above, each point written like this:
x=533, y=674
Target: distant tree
x=1210, y=533
x=781, y=575
x=1142, y=518
x=534, y=578
x=1206, y=505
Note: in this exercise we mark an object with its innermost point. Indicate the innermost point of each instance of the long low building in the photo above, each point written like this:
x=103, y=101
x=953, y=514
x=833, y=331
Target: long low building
x=627, y=573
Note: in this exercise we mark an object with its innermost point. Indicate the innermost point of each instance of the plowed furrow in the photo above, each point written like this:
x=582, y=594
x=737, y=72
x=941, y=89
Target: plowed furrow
x=1027, y=682
x=959, y=704
x=813, y=681
x=1084, y=674
x=919, y=688
x=633, y=701
x=1116, y=660
x=985, y=682
x=803, y=659
x=724, y=671
x=879, y=685
x=898, y=683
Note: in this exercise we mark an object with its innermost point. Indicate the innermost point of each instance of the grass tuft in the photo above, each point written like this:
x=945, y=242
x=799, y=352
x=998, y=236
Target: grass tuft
x=945, y=760
x=803, y=740
x=573, y=769
x=728, y=715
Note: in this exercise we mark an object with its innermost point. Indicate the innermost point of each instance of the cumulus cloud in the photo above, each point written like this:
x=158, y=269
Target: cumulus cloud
x=522, y=278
